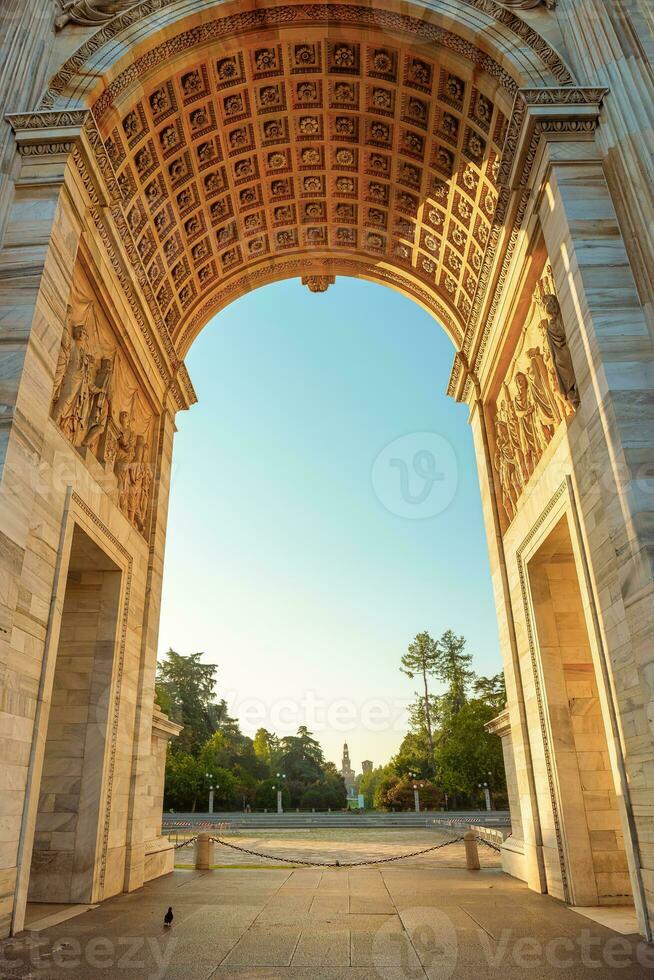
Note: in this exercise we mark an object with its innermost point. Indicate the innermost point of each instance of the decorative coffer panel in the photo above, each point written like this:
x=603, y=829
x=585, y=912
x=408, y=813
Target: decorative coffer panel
x=98, y=404
x=536, y=394
x=317, y=145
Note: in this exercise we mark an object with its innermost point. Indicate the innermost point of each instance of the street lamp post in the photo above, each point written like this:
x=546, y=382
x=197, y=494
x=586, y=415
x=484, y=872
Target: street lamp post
x=487, y=798
x=416, y=791
x=211, y=778
x=279, y=789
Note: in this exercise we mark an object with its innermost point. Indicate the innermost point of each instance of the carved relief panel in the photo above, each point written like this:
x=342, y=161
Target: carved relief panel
x=536, y=393
x=99, y=406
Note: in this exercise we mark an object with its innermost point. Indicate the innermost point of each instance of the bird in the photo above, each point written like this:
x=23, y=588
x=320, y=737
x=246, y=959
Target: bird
x=168, y=918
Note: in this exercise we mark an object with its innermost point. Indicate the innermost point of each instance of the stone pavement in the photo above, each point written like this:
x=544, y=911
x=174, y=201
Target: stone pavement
x=338, y=924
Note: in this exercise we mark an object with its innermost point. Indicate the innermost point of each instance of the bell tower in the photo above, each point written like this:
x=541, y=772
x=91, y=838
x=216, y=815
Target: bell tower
x=347, y=772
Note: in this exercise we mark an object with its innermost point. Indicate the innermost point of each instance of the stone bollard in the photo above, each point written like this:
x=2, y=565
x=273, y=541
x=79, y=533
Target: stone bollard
x=203, y=853
x=472, y=852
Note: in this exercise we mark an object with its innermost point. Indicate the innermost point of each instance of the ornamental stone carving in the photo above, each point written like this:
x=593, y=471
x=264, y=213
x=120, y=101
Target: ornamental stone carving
x=558, y=344
x=528, y=4
x=90, y=13
x=537, y=393
x=318, y=284
x=98, y=406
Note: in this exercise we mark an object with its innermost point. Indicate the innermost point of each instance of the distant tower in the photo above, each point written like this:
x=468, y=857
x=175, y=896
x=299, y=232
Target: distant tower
x=347, y=772
x=366, y=766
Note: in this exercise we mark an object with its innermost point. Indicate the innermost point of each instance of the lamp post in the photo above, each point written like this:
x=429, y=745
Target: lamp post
x=486, y=790
x=279, y=788
x=211, y=778
x=416, y=792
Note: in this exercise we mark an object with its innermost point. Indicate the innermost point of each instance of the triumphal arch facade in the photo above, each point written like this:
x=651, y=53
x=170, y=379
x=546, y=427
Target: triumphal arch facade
x=492, y=161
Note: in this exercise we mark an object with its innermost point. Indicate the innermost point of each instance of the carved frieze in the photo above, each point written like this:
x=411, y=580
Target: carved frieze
x=98, y=405
x=528, y=4
x=90, y=13
x=538, y=392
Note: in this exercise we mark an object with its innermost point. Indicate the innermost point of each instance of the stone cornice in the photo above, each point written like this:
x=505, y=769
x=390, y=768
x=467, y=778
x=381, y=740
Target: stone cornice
x=560, y=114
x=499, y=725
x=163, y=727
x=59, y=136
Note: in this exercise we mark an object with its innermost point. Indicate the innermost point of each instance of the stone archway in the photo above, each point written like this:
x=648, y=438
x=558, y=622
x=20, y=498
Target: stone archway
x=186, y=153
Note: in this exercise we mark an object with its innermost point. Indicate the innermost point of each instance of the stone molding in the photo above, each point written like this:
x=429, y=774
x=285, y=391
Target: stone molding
x=118, y=672
x=162, y=726
x=327, y=265
x=559, y=114
x=560, y=492
x=74, y=133
x=500, y=725
x=301, y=14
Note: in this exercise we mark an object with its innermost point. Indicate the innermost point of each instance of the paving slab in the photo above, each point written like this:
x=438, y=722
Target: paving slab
x=432, y=923
x=323, y=947
x=264, y=946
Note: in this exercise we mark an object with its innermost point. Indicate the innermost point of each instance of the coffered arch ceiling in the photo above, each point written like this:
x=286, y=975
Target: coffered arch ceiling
x=332, y=147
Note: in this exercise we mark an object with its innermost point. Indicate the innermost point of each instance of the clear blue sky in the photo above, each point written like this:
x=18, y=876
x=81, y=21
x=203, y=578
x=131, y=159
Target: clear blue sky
x=303, y=555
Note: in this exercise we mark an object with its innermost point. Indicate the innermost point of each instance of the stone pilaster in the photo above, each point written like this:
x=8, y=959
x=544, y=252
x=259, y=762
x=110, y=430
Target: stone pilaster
x=526, y=800
x=143, y=778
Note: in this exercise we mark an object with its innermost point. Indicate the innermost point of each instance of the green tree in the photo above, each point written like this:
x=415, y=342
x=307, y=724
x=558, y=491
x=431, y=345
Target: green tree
x=414, y=756
x=421, y=660
x=401, y=795
x=369, y=783
x=185, y=689
x=469, y=756
x=452, y=666
x=184, y=781
x=266, y=794
x=301, y=757
x=384, y=790
x=266, y=749
x=491, y=690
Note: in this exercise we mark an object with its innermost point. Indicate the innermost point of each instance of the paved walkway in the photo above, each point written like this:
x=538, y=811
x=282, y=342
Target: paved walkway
x=329, y=845
x=338, y=924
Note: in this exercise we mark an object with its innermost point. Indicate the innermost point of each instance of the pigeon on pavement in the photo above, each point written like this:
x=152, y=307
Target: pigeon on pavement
x=168, y=918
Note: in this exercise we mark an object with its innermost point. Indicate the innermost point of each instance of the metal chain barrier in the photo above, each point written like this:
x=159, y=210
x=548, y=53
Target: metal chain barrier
x=185, y=843
x=493, y=846
x=336, y=864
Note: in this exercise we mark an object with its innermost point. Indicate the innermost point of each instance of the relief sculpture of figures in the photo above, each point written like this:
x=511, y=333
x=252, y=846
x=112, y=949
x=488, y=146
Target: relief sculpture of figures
x=72, y=384
x=508, y=468
x=560, y=351
x=100, y=401
x=538, y=393
x=91, y=382
x=139, y=481
x=90, y=13
x=528, y=4
x=124, y=456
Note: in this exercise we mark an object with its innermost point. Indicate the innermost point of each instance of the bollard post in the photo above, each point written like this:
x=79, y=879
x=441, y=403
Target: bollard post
x=472, y=852
x=203, y=852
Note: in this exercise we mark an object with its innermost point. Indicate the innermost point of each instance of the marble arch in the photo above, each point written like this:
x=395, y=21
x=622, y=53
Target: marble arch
x=156, y=164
